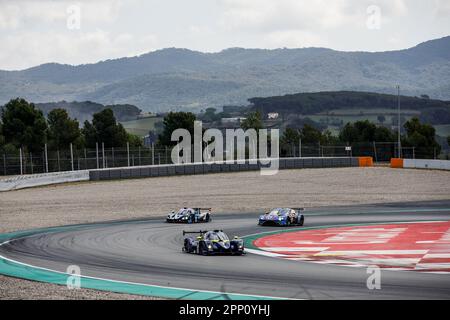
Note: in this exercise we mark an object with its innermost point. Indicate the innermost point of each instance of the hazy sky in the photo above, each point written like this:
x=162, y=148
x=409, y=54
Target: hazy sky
x=34, y=32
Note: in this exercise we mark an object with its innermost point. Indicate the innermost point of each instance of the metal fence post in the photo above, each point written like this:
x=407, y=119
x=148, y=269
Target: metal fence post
x=59, y=163
x=300, y=148
x=153, y=154
x=4, y=163
x=71, y=157
x=31, y=163
x=20, y=160
x=167, y=156
x=139, y=154
x=103, y=155
x=375, y=151
x=96, y=155
x=128, y=153
x=46, y=158
x=85, y=159
x=113, y=159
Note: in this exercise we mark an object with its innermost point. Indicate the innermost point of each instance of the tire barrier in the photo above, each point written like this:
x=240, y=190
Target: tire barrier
x=36, y=180
x=228, y=166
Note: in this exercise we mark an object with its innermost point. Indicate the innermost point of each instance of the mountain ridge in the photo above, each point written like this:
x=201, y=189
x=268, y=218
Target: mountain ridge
x=174, y=78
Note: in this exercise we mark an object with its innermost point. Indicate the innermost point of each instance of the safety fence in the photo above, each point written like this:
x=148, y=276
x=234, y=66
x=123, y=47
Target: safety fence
x=71, y=159
x=266, y=166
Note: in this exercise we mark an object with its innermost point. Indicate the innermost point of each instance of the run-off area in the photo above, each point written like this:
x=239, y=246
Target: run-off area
x=420, y=246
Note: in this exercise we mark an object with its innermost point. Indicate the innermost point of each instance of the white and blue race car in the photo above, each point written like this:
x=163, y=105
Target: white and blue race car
x=283, y=217
x=190, y=215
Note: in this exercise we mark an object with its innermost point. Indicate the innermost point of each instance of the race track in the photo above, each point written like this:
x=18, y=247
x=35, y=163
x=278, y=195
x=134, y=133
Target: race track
x=149, y=252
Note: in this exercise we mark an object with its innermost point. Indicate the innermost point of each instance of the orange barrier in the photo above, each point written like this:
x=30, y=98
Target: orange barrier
x=365, y=161
x=396, y=163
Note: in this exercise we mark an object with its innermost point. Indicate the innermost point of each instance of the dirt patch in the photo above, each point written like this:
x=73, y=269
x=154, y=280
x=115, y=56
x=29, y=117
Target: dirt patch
x=18, y=289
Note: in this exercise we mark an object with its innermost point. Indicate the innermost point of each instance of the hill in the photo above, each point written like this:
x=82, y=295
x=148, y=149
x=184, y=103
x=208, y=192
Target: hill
x=85, y=110
x=173, y=79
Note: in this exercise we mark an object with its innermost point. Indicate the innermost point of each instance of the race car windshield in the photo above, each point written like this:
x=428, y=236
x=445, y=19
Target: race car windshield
x=219, y=236
x=183, y=211
x=277, y=212
x=274, y=212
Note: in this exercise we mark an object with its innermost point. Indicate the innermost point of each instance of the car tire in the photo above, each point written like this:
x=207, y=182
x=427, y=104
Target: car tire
x=207, y=218
x=301, y=222
x=201, y=249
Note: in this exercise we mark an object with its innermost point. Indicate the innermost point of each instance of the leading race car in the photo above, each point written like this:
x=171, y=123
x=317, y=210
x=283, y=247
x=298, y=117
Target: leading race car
x=283, y=217
x=212, y=243
x=190, y=215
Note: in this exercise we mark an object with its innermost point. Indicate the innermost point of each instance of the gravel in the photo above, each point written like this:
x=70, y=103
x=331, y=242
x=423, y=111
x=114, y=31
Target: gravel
x=240, y=193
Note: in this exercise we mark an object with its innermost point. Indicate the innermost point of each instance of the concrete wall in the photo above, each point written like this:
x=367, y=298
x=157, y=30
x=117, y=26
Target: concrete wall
x=34, y=180
x=228, y=166
x=426, y=164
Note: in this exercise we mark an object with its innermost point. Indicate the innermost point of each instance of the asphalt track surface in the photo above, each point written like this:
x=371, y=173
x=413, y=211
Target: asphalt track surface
x=149, y=252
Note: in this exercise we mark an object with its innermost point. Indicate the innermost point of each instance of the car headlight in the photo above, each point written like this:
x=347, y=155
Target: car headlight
x=280, y=218
x=209, y=246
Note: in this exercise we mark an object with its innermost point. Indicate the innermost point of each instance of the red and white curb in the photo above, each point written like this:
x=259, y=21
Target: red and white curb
x=408, y=246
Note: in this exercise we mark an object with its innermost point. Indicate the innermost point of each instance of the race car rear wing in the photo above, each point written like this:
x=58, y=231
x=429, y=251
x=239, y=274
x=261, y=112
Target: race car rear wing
x=298, y=209
x=198, y=232
x=193, y=232
x=199, y=209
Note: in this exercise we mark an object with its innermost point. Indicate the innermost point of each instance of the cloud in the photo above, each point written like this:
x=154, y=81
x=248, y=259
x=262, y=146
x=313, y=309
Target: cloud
x=442, y=8
x=22, y=13
x=264, y=15
x=33, y=48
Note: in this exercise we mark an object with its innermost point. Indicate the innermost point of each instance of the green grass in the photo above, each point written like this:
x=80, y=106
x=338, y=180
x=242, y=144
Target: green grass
x=141, y=127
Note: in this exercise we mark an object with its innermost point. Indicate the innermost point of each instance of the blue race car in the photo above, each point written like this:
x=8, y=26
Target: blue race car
x=190, y=215
x=283, y=217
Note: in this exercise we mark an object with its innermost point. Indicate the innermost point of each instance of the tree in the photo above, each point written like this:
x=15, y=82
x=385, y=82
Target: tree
x=24, y=125
x=62, y=130
x=210, y=115
x=381, y=119
x=291, y=136
x=253, y=121
x=105, y=129
x=365, y=131
x=422, y=137
x=134, y=140
x=173, y=121
x=310, y=135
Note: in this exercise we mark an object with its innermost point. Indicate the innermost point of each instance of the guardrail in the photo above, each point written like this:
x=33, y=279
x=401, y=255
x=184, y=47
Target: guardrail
x=421, y=164
x=27, y=181
x=42, y=179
